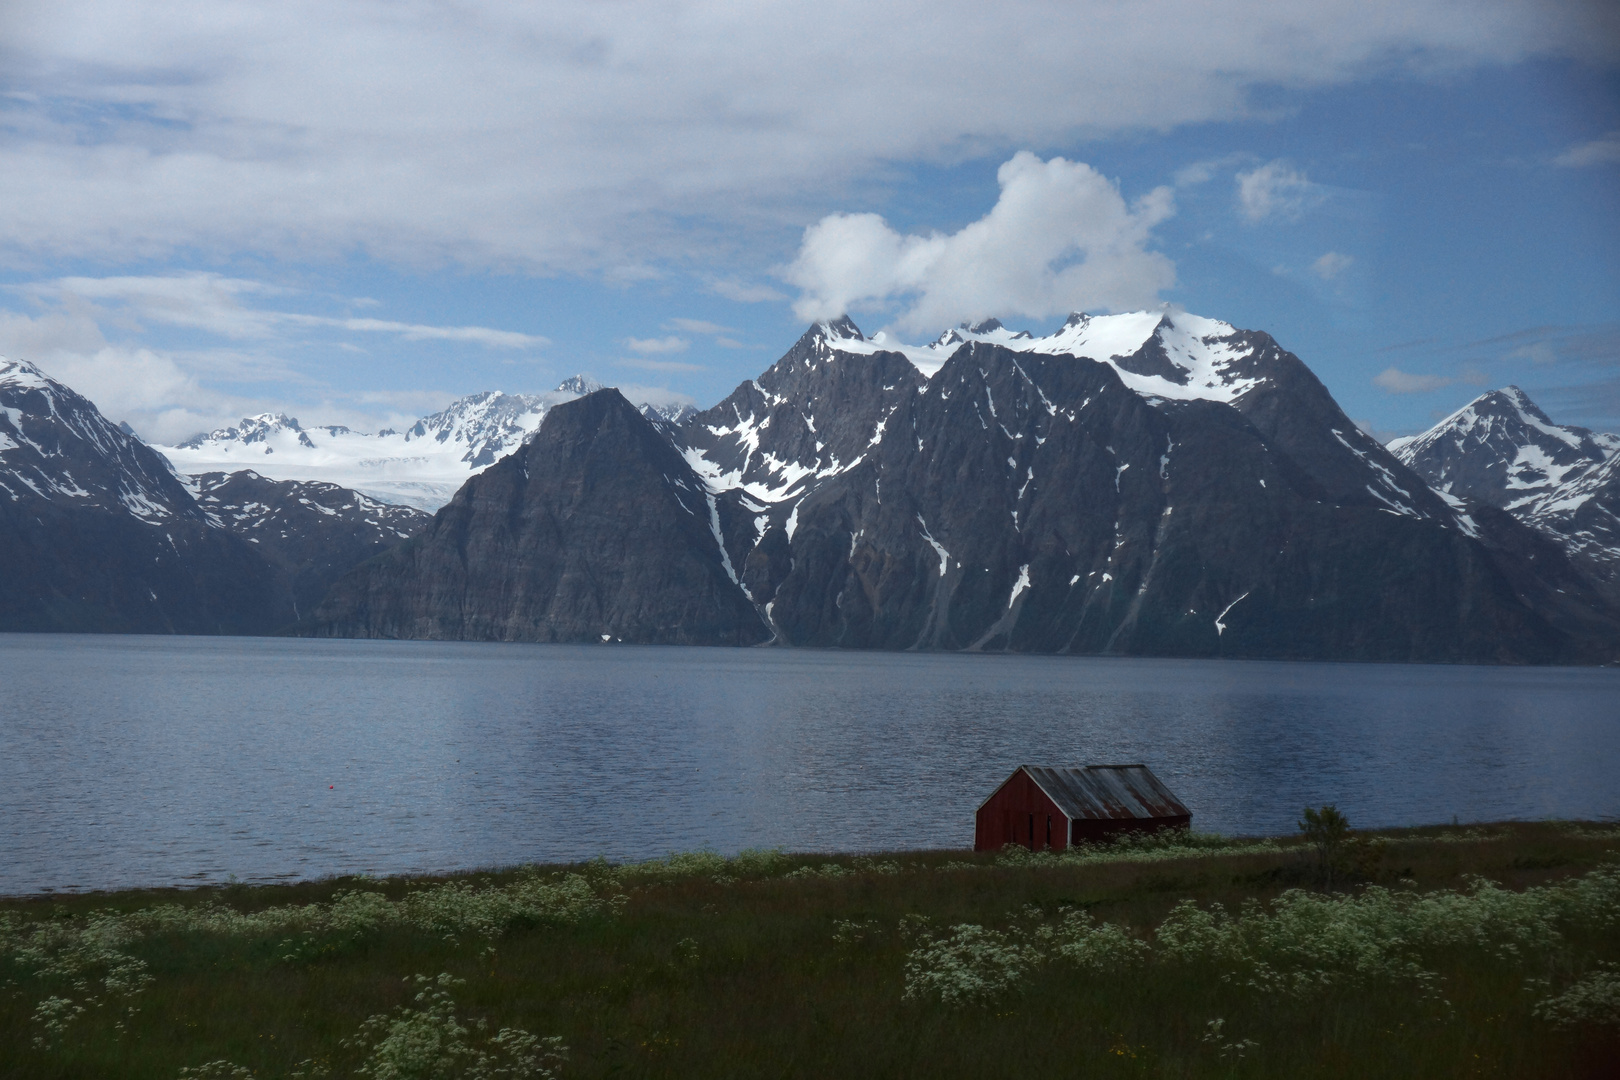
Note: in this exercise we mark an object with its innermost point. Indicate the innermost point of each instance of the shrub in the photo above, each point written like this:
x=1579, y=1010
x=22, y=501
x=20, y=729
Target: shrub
x=1326, y=830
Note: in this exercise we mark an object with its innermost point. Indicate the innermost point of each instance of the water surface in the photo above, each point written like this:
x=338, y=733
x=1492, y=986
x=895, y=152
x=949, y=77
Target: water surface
x=156, y=760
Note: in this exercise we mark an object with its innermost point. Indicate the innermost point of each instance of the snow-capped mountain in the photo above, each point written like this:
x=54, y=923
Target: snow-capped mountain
x=1500, y=449
x=1150, y=482
x=56, y=446
x=97, y=533
x=421, y=466
x=810, y=416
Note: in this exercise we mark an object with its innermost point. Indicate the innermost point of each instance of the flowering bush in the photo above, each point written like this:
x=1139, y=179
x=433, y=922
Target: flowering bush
x=1592, y=1000
x=1299, y=943
x=426, y=1041
x=968, y=965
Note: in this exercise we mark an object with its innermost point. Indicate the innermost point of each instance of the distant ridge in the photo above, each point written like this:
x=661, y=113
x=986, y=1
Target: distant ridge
x=1564, y=482
x=421, y=466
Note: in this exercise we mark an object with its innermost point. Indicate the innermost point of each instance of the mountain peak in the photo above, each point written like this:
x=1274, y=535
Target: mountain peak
x=842, y=328
x=580, y=384
x=1502, y=449
x=22, y=373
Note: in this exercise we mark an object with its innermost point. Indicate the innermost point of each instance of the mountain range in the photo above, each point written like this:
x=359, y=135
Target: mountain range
x=420, y=466
x=1145, y=483
x=1148, y=483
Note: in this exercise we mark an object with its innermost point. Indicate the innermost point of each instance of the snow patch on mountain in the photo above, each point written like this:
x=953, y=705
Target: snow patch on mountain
x=1203, y=355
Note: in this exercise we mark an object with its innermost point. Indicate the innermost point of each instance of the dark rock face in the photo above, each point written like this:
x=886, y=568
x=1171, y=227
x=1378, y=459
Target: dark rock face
x=814, y=412
x=596, y=529
x=85, y=571
x=96, y=533
x=310, y=533
x=1083, y=519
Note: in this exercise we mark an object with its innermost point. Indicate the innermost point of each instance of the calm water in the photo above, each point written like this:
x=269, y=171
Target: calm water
x=147, y=760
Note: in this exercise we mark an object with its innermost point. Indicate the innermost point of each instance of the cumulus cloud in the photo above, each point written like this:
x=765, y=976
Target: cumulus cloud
x=497, y=133
x=1331, y=265
x=1395, y=381
x=156, y=392
x=1060, y=238
x=1604, y=151
x=1274, y=190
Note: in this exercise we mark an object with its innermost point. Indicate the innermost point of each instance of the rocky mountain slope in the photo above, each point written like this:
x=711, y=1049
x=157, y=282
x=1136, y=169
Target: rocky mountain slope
x=1145, y=483
x=97, y=533
x=1564, y=482
x=310, y=533
x=421, y=466
x=596, y=530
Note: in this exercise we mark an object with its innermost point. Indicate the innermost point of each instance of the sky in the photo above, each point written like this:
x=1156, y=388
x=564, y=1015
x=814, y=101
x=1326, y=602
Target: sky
x=356, y=212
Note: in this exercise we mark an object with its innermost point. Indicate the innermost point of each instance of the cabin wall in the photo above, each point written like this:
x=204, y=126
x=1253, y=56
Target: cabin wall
x=1018, y=807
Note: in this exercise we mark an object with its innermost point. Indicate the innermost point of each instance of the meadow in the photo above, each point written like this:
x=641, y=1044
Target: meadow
x=1446, y=952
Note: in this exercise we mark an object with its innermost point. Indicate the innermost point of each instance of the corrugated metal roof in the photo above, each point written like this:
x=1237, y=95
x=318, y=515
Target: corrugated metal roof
x=1106, y=791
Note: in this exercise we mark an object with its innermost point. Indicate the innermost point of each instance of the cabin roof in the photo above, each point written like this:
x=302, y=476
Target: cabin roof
x=1106, y=792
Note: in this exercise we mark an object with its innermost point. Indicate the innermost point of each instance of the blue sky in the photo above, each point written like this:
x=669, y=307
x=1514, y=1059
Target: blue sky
x=357, y=212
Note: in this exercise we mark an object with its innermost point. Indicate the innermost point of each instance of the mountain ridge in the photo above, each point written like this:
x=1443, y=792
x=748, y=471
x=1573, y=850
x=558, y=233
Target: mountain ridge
x=1192, y=489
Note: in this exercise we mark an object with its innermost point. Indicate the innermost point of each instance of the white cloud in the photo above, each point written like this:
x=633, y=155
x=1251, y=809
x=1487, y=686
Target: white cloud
x=698, y=326
x=479, y=335
x=1060, y=238
x=215, y=304
x=1201, y=172
x=661, y=365
x=1275, y=190
x=1604, y=151
x=658, y=397
x=168, y=394
x=1537, y=352
x=155, y=392
x=503, y=134
x=1331, y=265
x=745, y=292
x=653, y=346
x=1395, y=381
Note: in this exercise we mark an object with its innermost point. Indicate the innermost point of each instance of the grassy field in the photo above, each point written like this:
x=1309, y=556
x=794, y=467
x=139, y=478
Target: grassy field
x=1446, y=952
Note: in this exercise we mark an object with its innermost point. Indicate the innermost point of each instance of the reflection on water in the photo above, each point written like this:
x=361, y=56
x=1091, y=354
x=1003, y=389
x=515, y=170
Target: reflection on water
x=147, y=760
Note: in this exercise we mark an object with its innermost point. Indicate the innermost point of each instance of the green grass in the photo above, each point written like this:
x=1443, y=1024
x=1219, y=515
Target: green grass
x=938, y=964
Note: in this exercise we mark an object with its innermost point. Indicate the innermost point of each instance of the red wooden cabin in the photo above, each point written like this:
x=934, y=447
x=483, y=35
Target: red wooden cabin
x=1048, y=807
